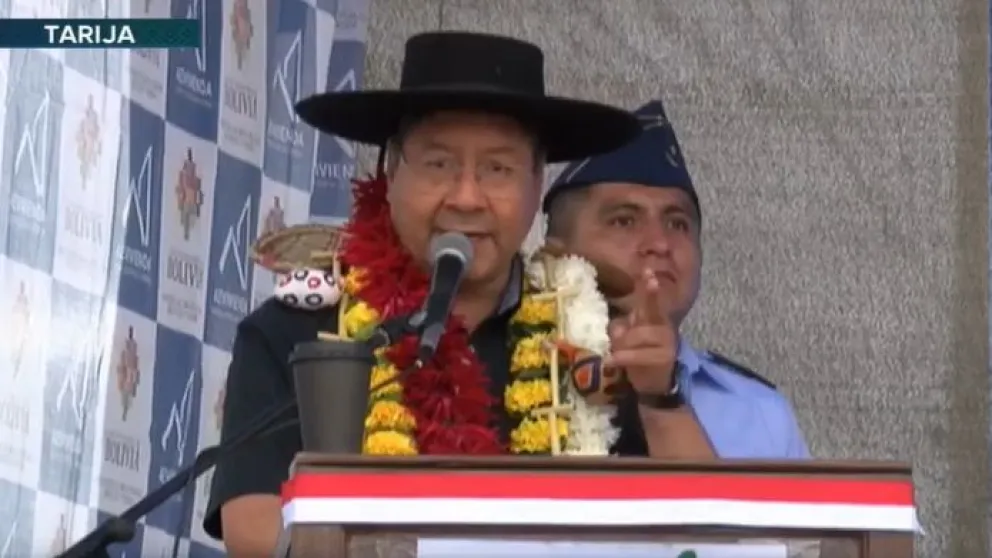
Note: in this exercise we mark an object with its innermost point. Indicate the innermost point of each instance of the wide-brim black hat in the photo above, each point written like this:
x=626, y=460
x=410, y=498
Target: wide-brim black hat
x=447, y=70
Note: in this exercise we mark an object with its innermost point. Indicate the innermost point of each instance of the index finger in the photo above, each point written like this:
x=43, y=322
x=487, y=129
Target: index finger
x=653, y=304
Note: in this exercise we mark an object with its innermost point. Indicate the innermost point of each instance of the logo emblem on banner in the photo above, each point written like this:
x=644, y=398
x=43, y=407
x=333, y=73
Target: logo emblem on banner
x=34, y=150
x=88, y=144
x=237, y=245
x=176, y=391
x=20, y=313
x=347, y=84
x=178, y=427
x=128, y=373
x=72, y=383
x=192, y=101
x=32, y=132
x=77, y=391
x=291, y=52
x=235, y=220
x=335, y=166
x=287, y=77
x=140, y=197
x=242, y=30
x=70, y=399
x=197, y=9
x=189, y=195
x=275, y=218
x=141, y=187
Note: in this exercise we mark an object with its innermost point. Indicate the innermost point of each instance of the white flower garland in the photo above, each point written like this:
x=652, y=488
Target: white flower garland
x=585, y=320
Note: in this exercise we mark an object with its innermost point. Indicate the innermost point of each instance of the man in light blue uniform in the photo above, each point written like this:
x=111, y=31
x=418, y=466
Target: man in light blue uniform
x=636, y=208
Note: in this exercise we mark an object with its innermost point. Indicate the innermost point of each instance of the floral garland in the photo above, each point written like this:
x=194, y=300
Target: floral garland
x=531, y=388
x=582, y=322
x=445, y=408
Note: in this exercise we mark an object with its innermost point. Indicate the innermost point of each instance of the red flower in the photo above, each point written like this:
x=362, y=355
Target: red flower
x=449, y=397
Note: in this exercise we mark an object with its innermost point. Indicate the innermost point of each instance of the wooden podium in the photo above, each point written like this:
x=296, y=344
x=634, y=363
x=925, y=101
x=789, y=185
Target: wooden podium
x=357, y=507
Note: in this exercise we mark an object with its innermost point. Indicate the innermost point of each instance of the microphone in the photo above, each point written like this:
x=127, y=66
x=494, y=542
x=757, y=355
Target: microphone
x=451, y=255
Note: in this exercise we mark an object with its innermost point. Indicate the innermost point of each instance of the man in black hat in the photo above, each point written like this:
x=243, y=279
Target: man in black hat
x=464, y=140
x=636, y=208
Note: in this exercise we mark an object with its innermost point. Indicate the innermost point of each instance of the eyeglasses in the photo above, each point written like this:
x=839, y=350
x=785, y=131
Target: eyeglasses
x=445, y=169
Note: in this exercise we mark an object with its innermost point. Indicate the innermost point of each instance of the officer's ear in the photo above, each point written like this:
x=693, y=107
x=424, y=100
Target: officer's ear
x=563, y=213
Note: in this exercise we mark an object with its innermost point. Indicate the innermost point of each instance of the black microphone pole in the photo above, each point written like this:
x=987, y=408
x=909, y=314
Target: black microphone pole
x=451, y=254
x=120, y=529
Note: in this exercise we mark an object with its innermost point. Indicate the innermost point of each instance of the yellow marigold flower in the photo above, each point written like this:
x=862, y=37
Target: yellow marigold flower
x=354, y=280
x=536, y=312
x=359, y=318
x=389, y=415
x=381, y=374
x=530, y=352
x=525, y=395
x=388, y=442
x=534, y=435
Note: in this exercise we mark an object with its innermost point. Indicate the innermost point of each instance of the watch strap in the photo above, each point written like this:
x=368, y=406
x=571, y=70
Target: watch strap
x=669, y=401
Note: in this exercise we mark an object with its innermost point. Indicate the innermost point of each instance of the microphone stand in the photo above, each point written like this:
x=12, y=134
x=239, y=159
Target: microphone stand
x=121, y=529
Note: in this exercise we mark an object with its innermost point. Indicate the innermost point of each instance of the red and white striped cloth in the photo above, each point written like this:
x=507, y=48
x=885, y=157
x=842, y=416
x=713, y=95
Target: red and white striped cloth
x=607, y=500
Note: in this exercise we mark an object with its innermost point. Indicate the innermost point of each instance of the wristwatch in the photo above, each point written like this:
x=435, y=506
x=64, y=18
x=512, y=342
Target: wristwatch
x=669, y=401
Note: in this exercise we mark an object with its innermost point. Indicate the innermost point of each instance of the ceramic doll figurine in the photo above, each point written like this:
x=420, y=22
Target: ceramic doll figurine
x=303, y=259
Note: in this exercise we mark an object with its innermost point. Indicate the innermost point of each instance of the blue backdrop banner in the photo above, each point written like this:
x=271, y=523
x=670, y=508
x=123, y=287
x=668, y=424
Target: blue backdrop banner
x=133, y=185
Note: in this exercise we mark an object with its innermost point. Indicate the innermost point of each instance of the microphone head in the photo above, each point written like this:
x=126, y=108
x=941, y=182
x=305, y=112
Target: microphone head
x=452, y=244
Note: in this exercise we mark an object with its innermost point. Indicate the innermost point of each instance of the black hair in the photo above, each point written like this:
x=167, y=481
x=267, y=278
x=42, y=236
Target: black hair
x=562, y=211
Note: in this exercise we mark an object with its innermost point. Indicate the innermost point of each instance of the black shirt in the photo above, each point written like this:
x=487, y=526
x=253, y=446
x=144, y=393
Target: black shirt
x=259, y=380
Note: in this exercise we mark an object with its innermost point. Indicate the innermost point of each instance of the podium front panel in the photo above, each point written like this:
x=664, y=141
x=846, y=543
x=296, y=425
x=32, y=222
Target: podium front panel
x=606, y=545
x=426, y=508
x=580, y=499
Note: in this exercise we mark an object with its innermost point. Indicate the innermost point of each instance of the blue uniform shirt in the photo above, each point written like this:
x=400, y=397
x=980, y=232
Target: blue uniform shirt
x=743, y=418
